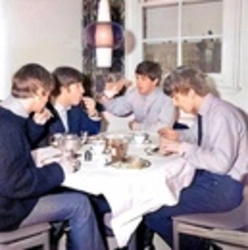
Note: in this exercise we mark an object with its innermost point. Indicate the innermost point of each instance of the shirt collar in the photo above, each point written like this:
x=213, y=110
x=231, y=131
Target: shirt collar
x=152, y=95
x=14, y=105
x=206, y=104
x=60, y=108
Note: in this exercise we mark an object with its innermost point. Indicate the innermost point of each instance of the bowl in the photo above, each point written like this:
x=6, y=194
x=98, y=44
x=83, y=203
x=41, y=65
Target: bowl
x=140, y=137
x=98, y=145
x=70, y=142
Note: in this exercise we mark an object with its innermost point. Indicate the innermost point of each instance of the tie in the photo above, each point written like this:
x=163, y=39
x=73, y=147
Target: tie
x=199, y=122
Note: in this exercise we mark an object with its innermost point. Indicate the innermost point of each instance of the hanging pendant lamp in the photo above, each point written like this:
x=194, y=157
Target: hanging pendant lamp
x=104, y=35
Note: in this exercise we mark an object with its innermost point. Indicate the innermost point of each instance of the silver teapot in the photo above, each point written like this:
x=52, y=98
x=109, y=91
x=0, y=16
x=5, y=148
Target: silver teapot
x=68, y=142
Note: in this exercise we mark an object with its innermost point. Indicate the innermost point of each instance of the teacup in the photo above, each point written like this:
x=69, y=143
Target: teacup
x=98, y=146
x=55, y=140
x=140, y=137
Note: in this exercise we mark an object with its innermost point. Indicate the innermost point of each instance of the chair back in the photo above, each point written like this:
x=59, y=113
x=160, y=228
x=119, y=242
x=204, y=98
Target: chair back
x=245, y=200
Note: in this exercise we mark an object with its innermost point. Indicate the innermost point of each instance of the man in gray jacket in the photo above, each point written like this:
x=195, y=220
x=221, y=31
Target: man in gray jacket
x=152, y=109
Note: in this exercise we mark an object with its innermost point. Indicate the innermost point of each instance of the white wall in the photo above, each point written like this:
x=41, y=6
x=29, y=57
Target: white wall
x=42, y=31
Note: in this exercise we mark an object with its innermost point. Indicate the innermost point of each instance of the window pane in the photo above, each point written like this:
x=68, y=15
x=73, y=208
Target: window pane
x=199, y=19
x=204, y=54
x=164, y=53
x=160, y=22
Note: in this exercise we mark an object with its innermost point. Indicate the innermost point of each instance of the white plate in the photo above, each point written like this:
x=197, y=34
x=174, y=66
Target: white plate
x=131, y=162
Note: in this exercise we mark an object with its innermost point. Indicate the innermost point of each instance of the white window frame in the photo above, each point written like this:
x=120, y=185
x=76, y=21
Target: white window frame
x=229, y=80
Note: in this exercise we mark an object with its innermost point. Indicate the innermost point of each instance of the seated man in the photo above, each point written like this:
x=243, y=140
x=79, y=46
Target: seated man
x=28, y=193
x=216, y=146
x=152, y=109
x=70, y=111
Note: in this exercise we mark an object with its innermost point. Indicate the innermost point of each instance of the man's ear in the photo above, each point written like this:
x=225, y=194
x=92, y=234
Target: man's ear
x=36, y=94
x=191, y=93
x=39, y=93
x=64, y=89
x=156, y=82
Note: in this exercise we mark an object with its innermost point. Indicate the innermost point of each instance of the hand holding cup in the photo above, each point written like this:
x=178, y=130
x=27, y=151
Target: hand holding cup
x=70, y=163
x=169, y=133
x=168, y=146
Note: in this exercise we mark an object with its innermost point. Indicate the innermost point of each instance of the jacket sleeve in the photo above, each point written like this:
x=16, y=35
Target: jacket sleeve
x=120, y=106
x=93, y=127
x=35, y=132
x=20, y=178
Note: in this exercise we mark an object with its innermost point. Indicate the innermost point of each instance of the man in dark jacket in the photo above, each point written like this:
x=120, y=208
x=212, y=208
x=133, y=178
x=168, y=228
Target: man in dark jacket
x=27, y=193
x=70, y=112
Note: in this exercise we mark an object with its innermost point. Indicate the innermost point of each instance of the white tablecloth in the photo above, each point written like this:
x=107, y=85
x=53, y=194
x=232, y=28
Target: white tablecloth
x=131, y=193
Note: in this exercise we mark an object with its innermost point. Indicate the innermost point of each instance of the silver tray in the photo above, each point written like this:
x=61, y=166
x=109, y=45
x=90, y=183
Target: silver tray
x=131, y=162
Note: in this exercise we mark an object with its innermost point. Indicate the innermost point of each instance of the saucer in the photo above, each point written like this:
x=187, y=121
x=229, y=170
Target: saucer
x=131, y=162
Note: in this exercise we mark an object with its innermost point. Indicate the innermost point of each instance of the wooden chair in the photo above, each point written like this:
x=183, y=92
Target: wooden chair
x=229, y=228
x=26, y=237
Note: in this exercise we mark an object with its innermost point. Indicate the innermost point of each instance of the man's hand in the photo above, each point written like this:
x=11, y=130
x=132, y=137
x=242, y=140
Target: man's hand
x=69, y=164
x=42, y=117
x=169, y=146
x=114, y=88
x=169, y=133
x=134, y=125
x=90, y=106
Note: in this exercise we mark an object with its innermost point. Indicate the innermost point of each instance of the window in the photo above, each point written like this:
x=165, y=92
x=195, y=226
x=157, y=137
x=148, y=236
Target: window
x=201, y=33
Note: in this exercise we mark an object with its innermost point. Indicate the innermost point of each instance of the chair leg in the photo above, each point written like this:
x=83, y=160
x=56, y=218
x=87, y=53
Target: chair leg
x=132, y=245
x=175, y=236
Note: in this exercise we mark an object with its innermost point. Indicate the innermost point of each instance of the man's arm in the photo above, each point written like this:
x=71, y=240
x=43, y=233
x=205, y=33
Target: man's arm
x=86, y=123
x=222, y=147
x=35, y=132
x=119, y=106
x=20, y=178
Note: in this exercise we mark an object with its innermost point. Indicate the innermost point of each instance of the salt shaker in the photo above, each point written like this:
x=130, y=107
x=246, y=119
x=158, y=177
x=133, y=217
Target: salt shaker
x=88, y=155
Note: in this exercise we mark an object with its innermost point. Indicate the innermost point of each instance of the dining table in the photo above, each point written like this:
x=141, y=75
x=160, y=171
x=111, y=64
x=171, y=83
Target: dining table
x=130, y=193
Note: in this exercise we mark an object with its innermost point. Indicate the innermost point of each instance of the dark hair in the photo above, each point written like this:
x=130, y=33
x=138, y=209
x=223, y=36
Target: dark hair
x=29, y=78
x=65, y=76
x=150, y=69
x=87, y=85
x=184, y=78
